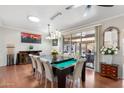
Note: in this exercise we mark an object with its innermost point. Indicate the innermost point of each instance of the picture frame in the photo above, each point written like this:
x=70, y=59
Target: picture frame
x=55, y=42
x=30, y=38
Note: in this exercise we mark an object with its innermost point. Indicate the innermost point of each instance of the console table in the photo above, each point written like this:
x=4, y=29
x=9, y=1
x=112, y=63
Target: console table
x=109, y=70
x=23, y=56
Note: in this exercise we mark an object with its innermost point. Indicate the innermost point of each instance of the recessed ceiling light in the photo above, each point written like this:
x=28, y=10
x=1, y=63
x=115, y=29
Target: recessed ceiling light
x=33, y=19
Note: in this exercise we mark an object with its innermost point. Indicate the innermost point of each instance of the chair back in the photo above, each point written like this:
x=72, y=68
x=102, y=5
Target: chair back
x=78, y=69
x=39, y=64
x=48, y=70
x=32, y=61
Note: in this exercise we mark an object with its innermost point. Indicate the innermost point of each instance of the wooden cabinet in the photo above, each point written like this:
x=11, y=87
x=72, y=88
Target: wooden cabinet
x=109, y=70
x=23, y=56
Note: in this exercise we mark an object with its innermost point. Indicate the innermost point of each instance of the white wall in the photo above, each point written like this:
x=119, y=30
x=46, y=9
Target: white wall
x=117, y=59
x=12, y=36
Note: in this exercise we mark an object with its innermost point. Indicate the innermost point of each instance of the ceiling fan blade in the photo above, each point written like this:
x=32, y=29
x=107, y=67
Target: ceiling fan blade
x=89, y=6
x=106, y=5
x=87, y=9
x=69, y=7
x=72, y=6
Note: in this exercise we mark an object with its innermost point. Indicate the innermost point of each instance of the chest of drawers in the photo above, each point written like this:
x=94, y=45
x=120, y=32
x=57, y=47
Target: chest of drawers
x=109, y=70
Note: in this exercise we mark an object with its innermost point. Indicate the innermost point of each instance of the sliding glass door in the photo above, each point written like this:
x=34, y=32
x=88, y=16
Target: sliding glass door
x=67, y=44
x=76, y=43
x=81, y=44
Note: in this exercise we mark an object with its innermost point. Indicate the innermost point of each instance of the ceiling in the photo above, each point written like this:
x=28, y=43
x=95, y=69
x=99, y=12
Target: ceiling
x=16, y=16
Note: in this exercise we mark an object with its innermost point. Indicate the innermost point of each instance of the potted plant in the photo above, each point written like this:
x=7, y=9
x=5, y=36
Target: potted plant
x=54, y=53
x=30, y=47
x=108, y=52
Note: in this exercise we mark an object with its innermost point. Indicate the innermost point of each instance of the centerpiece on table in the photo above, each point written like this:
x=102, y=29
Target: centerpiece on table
x=54, y=53
x=108, y=52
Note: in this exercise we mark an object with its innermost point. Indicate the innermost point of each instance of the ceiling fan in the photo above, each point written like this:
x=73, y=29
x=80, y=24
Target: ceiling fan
x=87, y=8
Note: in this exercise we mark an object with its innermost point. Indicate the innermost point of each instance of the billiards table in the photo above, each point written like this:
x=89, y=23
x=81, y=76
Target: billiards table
x=63, y=67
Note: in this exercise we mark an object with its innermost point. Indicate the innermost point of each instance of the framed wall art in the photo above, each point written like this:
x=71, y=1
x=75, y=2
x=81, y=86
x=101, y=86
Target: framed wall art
x=55, y=42
x=30, y=38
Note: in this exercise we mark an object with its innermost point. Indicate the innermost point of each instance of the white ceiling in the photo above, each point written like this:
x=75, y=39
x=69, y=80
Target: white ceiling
x=16, y=16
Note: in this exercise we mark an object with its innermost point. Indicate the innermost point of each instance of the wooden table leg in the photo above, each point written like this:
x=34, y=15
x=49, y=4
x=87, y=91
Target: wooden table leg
x=61, y=80
x=83, y=72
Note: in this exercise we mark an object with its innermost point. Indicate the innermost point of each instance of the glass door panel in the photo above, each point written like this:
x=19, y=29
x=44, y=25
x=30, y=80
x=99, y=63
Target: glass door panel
x=76, y=41
x=67, y=44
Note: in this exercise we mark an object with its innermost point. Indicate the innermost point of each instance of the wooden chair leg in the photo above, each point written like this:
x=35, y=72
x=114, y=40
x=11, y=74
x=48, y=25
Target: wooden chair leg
x=45, y=83
x=77, y=83
x=41, y=79
x=67, y=83
x=52, y=85
x=71, y=84
x=33, y=74
x=36, y=75
x=81, y=84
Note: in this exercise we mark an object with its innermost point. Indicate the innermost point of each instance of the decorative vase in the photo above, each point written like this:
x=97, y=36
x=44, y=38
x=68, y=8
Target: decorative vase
x=108, y=59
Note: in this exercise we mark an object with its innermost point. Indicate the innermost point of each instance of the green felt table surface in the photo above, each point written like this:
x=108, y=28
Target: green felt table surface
x=65, y=63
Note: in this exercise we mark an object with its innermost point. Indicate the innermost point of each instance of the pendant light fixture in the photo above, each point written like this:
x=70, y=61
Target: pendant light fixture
x=54, y=34
x=49, y=34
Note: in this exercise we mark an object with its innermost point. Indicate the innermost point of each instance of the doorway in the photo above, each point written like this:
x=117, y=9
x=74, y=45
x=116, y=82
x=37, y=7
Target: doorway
x=88, y=47
x=82, y=44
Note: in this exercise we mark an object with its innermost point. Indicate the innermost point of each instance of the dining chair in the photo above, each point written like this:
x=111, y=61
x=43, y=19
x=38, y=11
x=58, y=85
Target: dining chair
x=76, y=76
x=48, y=73
x=33, y=64
x=39, y=68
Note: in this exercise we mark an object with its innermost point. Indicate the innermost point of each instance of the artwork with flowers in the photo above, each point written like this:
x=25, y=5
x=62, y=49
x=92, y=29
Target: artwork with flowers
x=109, y=50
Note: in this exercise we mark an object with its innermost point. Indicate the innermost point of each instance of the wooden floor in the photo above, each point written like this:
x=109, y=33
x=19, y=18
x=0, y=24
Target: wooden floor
x=20, y=76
